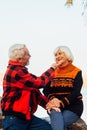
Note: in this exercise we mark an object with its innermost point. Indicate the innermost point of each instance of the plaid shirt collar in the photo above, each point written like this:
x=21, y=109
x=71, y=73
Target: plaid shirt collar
x=14, y=63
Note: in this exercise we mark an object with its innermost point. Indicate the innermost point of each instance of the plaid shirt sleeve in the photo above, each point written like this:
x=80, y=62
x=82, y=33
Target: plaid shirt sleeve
x=20, y=77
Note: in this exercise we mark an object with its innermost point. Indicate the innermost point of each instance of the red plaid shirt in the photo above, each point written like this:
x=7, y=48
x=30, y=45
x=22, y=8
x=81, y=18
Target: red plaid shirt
x=21, y=93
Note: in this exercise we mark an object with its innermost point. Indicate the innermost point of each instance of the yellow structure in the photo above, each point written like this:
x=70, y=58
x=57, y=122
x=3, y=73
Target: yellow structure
x=69, y=2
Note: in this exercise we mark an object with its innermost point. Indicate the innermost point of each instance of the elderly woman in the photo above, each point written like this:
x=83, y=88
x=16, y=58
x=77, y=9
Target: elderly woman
x=21, y=93
x=65, y=104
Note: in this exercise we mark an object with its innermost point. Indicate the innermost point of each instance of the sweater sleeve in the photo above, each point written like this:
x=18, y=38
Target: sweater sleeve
x=77, y=85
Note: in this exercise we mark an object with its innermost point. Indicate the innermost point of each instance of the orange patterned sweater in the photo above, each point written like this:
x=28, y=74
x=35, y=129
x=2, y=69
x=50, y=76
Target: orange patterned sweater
x=66, y=86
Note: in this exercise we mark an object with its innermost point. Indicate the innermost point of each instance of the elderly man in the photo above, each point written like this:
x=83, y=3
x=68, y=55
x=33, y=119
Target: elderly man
x=21, y=93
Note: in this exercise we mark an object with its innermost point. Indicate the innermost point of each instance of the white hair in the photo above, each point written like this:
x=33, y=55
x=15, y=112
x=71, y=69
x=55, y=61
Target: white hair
x=16, y=51
x=67, y=52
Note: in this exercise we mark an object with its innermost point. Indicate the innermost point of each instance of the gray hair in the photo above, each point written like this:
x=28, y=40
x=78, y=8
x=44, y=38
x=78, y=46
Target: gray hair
x=67, y=52
x=16, y=51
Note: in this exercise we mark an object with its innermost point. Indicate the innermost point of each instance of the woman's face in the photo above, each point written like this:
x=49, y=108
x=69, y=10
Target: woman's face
x=60, y=57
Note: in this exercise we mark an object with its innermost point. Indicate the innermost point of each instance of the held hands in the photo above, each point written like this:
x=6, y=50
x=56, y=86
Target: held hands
x=53, y=104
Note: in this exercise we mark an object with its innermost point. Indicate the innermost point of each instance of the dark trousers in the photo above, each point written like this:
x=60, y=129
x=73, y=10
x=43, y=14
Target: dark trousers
x=14, y=123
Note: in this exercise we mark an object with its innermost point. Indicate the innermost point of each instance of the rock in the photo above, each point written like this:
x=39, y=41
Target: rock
x=0, y=121
x=78, y=125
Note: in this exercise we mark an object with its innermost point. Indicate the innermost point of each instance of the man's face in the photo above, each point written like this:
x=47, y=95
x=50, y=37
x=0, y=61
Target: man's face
x=26, y=57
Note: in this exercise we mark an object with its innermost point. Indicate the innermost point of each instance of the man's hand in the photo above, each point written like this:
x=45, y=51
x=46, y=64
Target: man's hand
x=58, y=64
x=54, y=65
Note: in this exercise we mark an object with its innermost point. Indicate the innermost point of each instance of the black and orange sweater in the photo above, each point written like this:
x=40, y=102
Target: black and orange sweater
x=66, y=86
x=21, y=93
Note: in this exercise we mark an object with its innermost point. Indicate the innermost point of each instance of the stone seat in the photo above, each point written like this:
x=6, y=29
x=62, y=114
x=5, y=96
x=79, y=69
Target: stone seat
x=78, y=125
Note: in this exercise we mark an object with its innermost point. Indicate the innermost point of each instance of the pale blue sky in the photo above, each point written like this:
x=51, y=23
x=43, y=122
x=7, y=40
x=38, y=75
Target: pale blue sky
x=42, y=25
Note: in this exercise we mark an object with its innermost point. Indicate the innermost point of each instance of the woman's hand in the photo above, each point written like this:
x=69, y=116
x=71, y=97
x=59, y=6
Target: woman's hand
x=55, y=101
x=53, y=104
